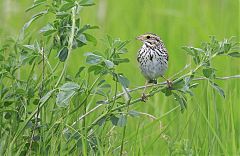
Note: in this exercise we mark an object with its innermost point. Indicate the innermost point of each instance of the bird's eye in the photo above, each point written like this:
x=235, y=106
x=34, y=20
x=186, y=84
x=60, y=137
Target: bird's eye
x=148, y=37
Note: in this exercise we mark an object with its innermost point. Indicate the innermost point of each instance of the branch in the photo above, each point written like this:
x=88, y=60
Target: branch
x=140, y=99
x=163, y=83
x=220, y=78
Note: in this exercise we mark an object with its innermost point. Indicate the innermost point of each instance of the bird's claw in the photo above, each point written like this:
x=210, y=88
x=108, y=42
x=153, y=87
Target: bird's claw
x=169, y=84
x=144, y=97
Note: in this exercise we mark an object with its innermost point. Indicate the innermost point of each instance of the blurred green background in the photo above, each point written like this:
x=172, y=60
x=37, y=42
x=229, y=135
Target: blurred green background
x=209, y=120
x=178, y=23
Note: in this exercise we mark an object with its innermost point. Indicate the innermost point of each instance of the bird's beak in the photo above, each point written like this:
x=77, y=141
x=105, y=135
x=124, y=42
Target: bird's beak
x=140, y=38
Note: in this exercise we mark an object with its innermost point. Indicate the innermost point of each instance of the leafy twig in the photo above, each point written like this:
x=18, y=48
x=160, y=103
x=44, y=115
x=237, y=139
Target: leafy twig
x=70, y=44
x=139, y=99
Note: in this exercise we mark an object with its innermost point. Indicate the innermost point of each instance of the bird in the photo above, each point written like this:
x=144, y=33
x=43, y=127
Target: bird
x=153, y=60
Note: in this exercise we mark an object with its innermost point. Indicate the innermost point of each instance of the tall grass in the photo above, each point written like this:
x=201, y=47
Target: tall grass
x=209, y=126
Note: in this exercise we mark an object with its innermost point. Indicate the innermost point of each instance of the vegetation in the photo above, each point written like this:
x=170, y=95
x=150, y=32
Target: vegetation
x=68, y=88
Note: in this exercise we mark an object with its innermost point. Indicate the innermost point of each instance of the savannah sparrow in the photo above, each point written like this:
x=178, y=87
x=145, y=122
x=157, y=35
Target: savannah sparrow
x=153, y=59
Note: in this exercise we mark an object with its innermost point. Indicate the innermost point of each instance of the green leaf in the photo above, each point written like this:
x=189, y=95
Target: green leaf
x=46, y=97
x=196, y=59
x=47, y=30
x=122, y=121
x=61, y=15
x=79, y=72
x=77, y=44
x=105, y=86
x=167, y=92
x=86, y=3
x=194, y=85
x=227, y=47
x=79, y=41
x=30, y=92
x=36, y=4
x=20, y=91
x=35, y=101
x=121, y=45
x=123, y=80
x=91, y=38
x=86, y=27
x=114, y=120
x=29, y=47
x=109, y=64
x=35, y=139
x=110, y=40
x=209, y=72
x=7, y=116
x=64, y=97
x=69, y=86
x=133, y=113
x=100, y=92
x=188, y=50
x=234, y=54
x=101, y=102
x=179, y=84
x=123, y=51
x=101, y=121
x=101, y=82
x=96, y=69
x=8, y=103
x=218, y=89
x=120, y=60
x=26, y=25
x=188, y=79
x=81, y=38
x=93, y=58
x=37, y=46
x=63, y=54
x=67, y=6
x=195, y=52
x=182, y=101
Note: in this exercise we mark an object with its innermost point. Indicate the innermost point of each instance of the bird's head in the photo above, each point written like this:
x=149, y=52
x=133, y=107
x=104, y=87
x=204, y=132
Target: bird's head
x=149, y=38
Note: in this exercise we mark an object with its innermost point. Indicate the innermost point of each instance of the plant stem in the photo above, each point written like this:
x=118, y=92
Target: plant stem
x=70, y=43
x=124, y=129
x=38, y=107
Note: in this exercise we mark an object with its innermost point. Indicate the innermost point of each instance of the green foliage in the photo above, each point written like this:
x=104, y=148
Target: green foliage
x=67, y=91
x=56, y=112
x=63, y=53
x=202, y=58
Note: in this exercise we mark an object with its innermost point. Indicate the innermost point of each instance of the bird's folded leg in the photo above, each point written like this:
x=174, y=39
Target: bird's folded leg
x=144, y=97
x=169, y=83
